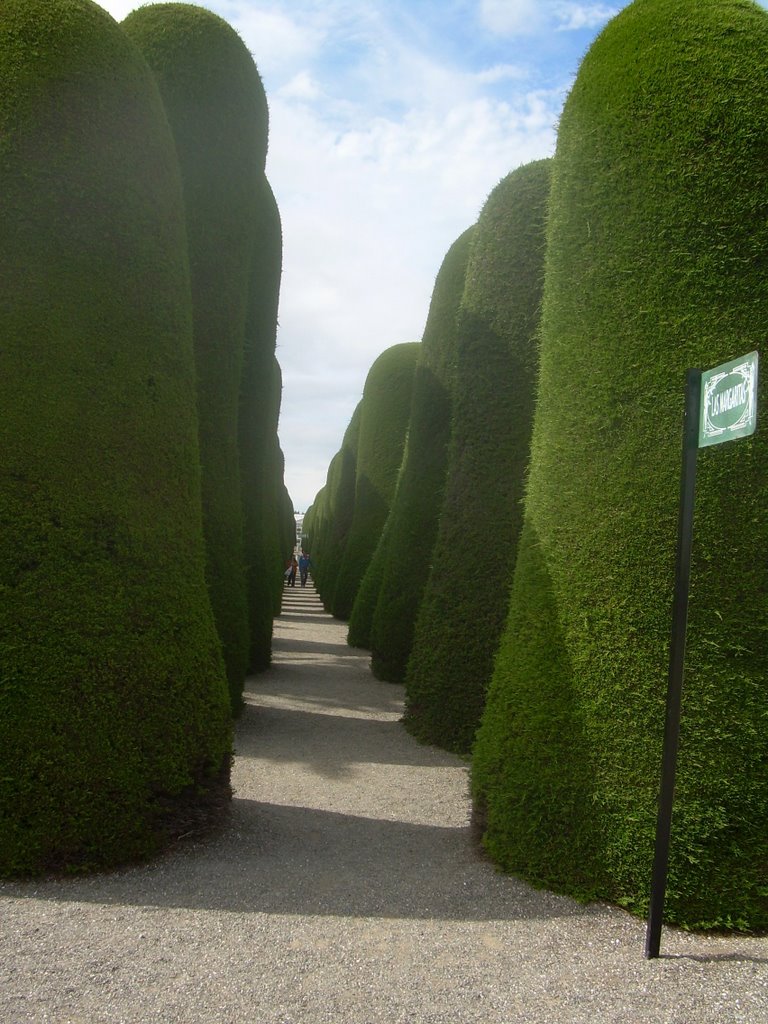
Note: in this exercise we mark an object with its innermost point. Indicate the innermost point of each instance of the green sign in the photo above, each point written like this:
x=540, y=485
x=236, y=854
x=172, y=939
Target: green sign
x=729, y=401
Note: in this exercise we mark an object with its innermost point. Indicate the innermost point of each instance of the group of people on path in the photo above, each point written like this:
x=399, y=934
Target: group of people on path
x=301, y=566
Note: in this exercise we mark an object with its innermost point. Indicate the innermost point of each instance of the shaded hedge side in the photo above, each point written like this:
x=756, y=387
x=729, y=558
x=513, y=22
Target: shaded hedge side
x=259, y=410
x=656, y=261
x=334, y=514
x=361, y=617
x=385, y=408
x=217, y=110
x=286, y=522
x=384, y=620
x=114, y=719
x=465, y=601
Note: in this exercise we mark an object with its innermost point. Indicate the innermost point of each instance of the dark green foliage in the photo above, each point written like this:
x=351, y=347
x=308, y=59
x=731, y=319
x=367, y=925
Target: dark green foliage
x=465, y=601
x=361, y=618
x=657, y=245
x=310, y=519
x=286, y=522
x=412, y=522
x=260, y=395
x=385, y=408
x=334, y=513
x=114, y=720
x=218, y=114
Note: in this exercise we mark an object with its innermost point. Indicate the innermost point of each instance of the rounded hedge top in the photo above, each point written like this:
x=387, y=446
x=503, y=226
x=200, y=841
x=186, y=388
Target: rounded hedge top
x=385, y=611
x=465, y=601
x=385, y=408
x=210, y=84
x=217, y=111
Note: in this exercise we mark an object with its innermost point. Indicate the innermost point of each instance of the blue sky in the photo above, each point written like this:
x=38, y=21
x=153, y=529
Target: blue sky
x=390, y=123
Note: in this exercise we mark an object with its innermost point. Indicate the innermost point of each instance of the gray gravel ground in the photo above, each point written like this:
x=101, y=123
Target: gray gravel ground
x=346, y=888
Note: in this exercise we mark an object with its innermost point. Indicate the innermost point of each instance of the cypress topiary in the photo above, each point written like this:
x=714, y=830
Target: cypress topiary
x=283, y=503
x=217, y=110
x=310, y=520
x=385, y=407
x=114, y=720
x=361, y=617
x=391, y=611
x=658, y=226
x=336, y=512
x=260, y=395
x=465, y=602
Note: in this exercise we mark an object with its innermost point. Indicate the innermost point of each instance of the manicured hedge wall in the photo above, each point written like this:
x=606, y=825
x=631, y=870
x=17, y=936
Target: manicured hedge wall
x=334, y=515
x=286, y=522
x=465, y=601
x=385, y=408
x=260, y=396
x=657, y=234
x=386, y=605
x=218, y=114
x=114, y=719
x=310, y=521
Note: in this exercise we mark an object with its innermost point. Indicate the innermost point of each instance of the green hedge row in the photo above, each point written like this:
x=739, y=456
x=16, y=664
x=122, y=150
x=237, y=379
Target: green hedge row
x=114, y=719
x=384, y=411
x=332, y=513
x=465, y=601
x=141, y=275
x=261, y=469
x=383, y=614
x=217, y=110
x=658, y=229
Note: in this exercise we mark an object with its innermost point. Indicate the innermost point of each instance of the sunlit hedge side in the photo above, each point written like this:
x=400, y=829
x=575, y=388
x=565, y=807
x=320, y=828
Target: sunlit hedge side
x=217, y=110
x=465, y=601
x=385, y=408
x=385, y=610
x=114, y=718
x=656, y=262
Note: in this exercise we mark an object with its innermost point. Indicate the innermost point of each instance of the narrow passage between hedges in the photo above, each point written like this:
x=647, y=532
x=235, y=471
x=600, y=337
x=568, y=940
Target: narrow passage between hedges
x=346, y=889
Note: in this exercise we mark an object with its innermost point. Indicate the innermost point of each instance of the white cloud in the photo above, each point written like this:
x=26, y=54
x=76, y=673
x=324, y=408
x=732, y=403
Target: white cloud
x=301, y=87
x=277, y=40
x=527, y=17
x=389, y=127
x=501, y=73
x=575, y=16
x=119, y=9
x=363, y=243
x=512, y=17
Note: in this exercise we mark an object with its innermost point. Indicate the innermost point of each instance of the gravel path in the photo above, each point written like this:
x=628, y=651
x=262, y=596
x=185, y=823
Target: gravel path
x=346, y=888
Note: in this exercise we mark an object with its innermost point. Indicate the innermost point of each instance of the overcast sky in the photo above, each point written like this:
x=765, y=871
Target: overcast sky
x=390, y=123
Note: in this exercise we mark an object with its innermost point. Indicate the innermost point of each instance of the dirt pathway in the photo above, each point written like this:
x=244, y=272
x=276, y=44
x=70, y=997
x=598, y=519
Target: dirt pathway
x=346, y=888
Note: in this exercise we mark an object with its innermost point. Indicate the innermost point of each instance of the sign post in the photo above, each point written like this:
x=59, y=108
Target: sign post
x=720, y=405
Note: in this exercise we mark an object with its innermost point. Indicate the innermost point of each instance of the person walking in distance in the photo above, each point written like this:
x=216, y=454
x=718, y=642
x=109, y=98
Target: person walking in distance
x=304, y=564
x=290, y=571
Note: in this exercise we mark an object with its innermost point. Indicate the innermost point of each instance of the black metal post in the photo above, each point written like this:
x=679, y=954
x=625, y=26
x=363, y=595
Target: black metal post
x=676, y=661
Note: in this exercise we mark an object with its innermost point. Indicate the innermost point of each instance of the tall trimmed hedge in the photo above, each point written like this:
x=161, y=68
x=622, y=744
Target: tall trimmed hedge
x=465, y=601
x=217, y=110
x=657, y=234
x=114, y=719
x=259, y=410
x=334, y=512
x=386, y=605
x=385, y=408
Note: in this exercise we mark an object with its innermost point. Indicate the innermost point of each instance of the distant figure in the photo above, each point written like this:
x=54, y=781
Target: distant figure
x=304, y=564
x=290, y=571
